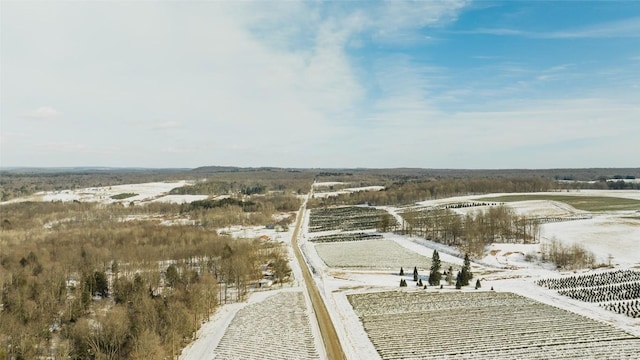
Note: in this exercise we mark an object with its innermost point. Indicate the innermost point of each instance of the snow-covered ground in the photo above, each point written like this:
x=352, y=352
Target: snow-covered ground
x=144, y=192
x=604, y=235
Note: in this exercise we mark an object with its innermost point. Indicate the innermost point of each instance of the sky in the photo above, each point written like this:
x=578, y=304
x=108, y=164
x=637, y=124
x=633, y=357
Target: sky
x=309, y=84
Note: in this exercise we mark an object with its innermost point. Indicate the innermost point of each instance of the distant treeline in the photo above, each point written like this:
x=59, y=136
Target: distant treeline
x=408, y=192
x=226, y=180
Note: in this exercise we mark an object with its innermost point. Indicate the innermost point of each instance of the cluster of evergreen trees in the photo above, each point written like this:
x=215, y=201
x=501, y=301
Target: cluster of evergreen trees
x=463, y=277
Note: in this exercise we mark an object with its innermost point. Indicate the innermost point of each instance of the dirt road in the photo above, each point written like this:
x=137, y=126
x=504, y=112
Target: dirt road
x=327, y=330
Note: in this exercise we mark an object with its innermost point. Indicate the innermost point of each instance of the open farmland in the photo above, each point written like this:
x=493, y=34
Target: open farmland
x=371, y=254
x=479, y=325
x=275, y=328
x=346, y=218
x=581, y=202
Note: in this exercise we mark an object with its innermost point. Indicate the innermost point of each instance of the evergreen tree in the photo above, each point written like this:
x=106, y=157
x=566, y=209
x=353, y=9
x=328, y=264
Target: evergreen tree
x=459, y=281
x=172, y=277
x=403, y=283
x=101, y=283
x=467, y=267
x=464, y=277
x=401, y=271
x=435, y=275
x=419, y=282
x=478, y=286
x=415, y=273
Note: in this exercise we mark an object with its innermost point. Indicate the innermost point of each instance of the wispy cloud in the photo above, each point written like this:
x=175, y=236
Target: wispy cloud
x=43, y=112
x=623, y=28
x=626, y=28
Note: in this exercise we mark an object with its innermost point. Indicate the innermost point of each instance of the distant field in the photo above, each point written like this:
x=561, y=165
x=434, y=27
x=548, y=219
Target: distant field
x=587, y=203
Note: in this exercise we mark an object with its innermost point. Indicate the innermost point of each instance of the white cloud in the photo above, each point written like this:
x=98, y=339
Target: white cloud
x=43, y=112
x=167, y=125
x=267, y=83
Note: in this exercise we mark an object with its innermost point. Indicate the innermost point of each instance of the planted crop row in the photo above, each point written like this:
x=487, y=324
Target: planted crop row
x=604, y=278
x=629, y=308
x=626, y=291
x=276, y=328
x=475, y=325
x=345, y=237
x=347, y=218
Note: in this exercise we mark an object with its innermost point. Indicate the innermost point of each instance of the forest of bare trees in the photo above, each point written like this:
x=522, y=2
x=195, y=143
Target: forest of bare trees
x=473, y=231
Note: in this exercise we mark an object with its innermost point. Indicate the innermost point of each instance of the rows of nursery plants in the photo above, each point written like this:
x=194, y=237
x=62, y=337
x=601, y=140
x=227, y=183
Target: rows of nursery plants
x=339, y=237
x=598, y=279
x=630, y=308
x=479, y=325
x=276, y=328
x=347, y=218
x=618, y=291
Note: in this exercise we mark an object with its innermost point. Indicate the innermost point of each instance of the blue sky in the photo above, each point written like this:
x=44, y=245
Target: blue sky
x=433, y=84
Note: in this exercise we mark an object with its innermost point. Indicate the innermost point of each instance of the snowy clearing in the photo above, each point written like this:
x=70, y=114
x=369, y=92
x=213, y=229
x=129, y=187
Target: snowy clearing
x=143, y=192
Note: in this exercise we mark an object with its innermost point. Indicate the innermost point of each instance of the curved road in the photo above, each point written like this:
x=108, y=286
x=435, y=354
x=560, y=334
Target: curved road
x=327, y=330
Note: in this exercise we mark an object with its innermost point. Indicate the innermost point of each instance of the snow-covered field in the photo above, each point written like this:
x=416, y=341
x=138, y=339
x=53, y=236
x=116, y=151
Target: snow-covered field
x=144, y=192
x=604, y=235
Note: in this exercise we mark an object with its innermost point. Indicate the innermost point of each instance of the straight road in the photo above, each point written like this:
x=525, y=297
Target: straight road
x=327, y=330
